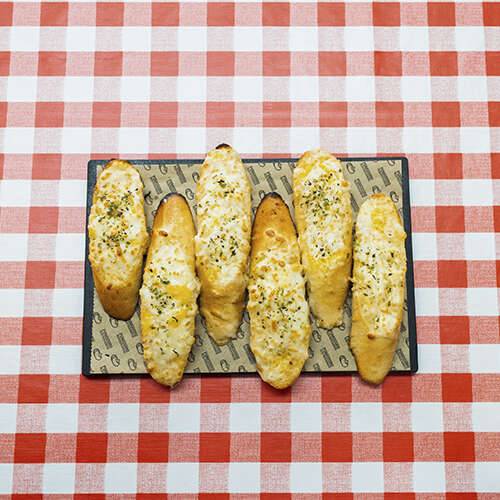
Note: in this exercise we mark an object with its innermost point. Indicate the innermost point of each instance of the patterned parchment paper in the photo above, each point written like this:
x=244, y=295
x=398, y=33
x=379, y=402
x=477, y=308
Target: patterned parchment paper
x=115, y=346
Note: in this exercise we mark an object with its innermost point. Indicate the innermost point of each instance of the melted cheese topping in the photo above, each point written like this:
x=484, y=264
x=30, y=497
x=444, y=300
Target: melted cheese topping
x=117, y=225
x=323, y=197
x=279, y=315
x=224, y=218
x=168, y=298
x=380, y=265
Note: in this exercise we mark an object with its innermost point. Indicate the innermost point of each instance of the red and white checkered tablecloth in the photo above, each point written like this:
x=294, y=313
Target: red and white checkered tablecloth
x=85, y=80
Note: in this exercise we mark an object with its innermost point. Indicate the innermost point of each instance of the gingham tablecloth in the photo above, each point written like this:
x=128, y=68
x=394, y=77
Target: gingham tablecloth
x=99, y=80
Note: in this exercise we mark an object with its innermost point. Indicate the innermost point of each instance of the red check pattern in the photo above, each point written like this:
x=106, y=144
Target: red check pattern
x=97, y=80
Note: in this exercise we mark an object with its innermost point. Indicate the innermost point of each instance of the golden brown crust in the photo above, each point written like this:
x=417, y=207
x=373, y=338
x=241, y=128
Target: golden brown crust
x=168, y=334
x=380, y=264
x=116, y=267
x=279, y=315
x=272, y=215
x=173, y=222
x=323, y=213
x=223, y=194
x=117, y=302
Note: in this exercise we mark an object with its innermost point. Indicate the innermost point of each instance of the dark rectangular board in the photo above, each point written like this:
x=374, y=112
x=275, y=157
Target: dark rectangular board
x=89, y=282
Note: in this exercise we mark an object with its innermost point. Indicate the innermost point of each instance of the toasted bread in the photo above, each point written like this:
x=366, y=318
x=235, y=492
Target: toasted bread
x=223, y=196
x=118, y=238
x=279, y=314
x=378, y=287
x=169, y=292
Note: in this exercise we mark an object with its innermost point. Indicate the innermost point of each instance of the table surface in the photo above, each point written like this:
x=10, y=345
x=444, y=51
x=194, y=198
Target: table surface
x=98, y=80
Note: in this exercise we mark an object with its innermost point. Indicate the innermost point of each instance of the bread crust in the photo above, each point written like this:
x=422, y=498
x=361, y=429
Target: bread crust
x=323, y=213
x=169, y=292
x=223, y=195
x=378, y=287
x=117, y=246
x=280, y=330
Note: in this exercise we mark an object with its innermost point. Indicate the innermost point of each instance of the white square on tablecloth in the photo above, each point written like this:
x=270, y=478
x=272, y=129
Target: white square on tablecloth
x=418, y=140
x=304, y=88
x=244, y=477
x=182, y=478
x=429, y=477
x=123, y=417
x=76, y=140
x=6, y=476
x=22, y=88
x=136, y=38
x=24, y=38
x=487, y=477
x=78, y=88
x=17, y=139
x=416, y=88
x=70, y=246
x=191, y=89
x=472, y=88
x=11, y=303
x=135, y=88
x=422, y=192
x=247, y=140
x=484, y=358
x=59, y=478
x=13, y=246
x=429, y=358
x=303, y=38
x=120, y=478
x=485, y=417
x=366, y=417
x=72, y=193
x=360, y=88
x=424, y=246
x=469, y=38
x=65, y=359
x=362, y=140
x=414, y=38
x=305, y=417
x=358, y=39
x=61, y=417
x=306, y=477
x=303, y=139
x=368, y=477
x=133, y=140
x=67, y=302
x=427, y=417
x=477, y=192
x=10, y=355
x=80, y=39
x=247, y=39
x=479, y=246
x=183, y=417
x=244, y=417
x=192, y=39
x=482, y=301
x=190, y=140
x=247, y=88
x=427, y=301
x=8, y=417
x=15, y=193
x=474, y=140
